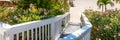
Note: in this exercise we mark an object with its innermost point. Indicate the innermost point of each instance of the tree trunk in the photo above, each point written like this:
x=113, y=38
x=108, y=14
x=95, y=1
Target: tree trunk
x=102, y=8
x=105, y=7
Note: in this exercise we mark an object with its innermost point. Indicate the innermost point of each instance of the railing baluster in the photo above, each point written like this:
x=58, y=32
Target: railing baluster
x=11, y=38
x=32, y=34
x=17, y=36
x=48, y=32
x=39, y=33
x=36, y=33
x=43, y=33
x=22, y=35
x=28, y=35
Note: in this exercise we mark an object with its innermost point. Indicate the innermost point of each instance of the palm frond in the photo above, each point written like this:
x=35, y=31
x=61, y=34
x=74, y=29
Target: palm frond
x=111, y=3
x=100, y=3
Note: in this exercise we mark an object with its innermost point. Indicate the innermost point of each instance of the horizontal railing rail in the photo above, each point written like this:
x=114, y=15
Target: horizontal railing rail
x=48, y=29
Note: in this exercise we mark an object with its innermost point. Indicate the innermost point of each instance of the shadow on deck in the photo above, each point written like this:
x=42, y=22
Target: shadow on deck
x=72, y=27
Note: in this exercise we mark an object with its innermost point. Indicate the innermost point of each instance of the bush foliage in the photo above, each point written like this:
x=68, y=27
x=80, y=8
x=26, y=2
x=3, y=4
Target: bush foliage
x=31, y=10
x=106, y=25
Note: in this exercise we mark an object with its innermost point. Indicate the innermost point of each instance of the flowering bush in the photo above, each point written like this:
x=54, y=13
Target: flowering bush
x=31, y=10
x=106, y=25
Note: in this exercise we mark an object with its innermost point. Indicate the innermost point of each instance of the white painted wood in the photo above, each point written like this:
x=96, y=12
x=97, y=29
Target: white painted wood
x=84, y=32
x=32, y=33
x=48, y=32
x=1, y=37
x=27, y=34
x=43, y=33
x=22, y=35
x=36, y=33
x=53, y=31
x=39, y=33
x=17, y=36
x=18, y=28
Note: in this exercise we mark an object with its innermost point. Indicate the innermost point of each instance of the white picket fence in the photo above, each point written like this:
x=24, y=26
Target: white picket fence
x=47, y=29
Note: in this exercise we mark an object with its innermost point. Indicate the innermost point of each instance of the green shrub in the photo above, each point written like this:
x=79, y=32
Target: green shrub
x=31, y=10
x=106, y=25
x=18, y=16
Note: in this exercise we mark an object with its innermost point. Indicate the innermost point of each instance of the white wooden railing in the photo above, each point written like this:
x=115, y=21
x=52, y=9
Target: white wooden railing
x=83, y=33
x=47, y=29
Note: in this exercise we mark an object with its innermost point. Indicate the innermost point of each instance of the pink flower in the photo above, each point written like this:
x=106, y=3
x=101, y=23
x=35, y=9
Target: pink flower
x=31, y=5
x=106, y=26
x=118, y=34
x=15, y=17
x=103, y=12
x=108, y=9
